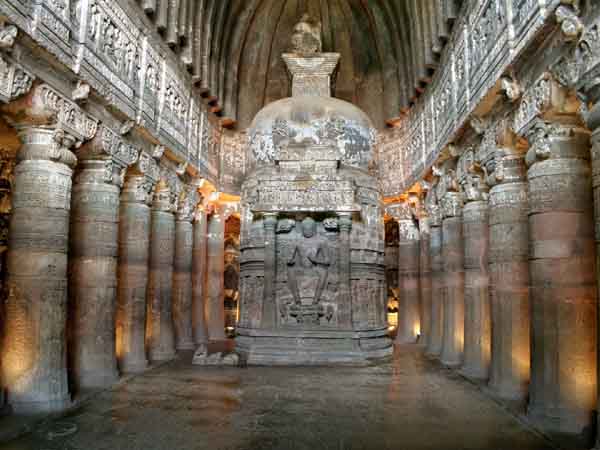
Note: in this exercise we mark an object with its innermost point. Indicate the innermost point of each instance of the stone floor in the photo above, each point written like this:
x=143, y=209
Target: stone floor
x=408, y=404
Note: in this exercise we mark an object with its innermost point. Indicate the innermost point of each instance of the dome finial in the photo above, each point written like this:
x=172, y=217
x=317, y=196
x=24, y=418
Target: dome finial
x=307, y=36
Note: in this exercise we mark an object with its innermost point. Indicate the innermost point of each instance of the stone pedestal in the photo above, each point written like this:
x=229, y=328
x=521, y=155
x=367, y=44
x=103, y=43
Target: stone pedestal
x=159, y=325
x=34, y=362
x=134, y=252
x=425, y=282
x=563, y=279
x=408, y=282
x=434, y=347
x=454, y=291
x=215, y=260
x=182, y=284
x=509, y=286
x=93, y=275
x=200, y=332
x=477, y=305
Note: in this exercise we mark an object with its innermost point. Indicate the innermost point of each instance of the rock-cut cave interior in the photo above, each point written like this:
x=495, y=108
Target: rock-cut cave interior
x=299, y=224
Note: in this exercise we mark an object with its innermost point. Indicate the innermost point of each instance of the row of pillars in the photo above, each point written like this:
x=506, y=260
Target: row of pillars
x=100, y=279
x=498, y=271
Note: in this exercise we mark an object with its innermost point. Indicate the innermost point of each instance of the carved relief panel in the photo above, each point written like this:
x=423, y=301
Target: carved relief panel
x=307, y=272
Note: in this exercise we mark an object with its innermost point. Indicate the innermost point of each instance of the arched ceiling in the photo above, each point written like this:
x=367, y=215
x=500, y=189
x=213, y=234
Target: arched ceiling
x=389, y=48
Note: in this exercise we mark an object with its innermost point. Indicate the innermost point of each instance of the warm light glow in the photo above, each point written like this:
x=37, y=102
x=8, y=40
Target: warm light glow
x=392, y=319
x=417, y=329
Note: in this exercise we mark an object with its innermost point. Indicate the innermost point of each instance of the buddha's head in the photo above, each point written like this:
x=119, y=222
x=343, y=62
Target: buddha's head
x=309, y=227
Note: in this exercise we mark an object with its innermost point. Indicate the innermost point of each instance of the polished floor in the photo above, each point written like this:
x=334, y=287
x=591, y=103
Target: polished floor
x=408, y=404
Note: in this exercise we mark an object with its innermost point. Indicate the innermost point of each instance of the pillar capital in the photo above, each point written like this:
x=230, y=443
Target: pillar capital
x=500, y=154
x=140, y=180
x=547, y=141
x=187, y=202
x=471, y=177
x=546, y=99
x=448, y=191
x=108, y=155
x=167, y=190
x=45, y=117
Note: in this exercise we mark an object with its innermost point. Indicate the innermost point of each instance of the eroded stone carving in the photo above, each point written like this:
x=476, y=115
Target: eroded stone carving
x=312, y=226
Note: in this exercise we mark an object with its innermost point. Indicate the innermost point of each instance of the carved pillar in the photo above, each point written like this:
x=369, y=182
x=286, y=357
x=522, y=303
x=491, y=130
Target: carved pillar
x=345, y=227
x=269, y=308
x=159, y=322
x=425, y=279
x=508, y=268
x=93, y=258
x=182, y=272
x=408, y=277
x=587, y=61
x=215, y=310
x=199, y=276
x=134, y=254
x=454, y=277
x=434, y=347
x=477, y=349
x=563, y=278
x=34, y=354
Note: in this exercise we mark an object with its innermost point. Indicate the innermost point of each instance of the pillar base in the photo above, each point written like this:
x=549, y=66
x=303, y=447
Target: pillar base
x=96, y=380
x=559, y=420
x=162, y=356
x=43, y=407
x=134, y=367
x=507, y=393
x=186, y=346
x=474, y=373
x=451, y=363
x=402, y=340
x=432, y=354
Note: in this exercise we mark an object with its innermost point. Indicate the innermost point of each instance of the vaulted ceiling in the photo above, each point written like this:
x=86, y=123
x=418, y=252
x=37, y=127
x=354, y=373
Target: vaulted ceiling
x=389, y=48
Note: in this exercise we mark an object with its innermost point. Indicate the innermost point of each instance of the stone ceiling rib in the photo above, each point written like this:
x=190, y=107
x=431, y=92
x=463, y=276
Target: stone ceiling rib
x=398, y=48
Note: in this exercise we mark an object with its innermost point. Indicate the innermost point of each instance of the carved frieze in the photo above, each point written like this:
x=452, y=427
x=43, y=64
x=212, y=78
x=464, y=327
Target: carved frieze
x=14, y=80
x=306, y=195
x=489, y=48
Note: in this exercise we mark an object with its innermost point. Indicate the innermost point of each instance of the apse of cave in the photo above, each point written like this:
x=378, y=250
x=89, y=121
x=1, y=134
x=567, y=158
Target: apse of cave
x=299, y=224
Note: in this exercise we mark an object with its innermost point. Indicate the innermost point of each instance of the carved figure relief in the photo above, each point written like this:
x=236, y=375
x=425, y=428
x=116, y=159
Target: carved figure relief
x=307, y=271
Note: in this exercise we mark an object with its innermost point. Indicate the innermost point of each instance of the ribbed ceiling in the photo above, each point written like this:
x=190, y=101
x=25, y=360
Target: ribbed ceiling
x=389, y=48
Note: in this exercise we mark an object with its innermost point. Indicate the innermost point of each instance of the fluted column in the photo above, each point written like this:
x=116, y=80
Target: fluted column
x=408, y=277
x=160, y=336
x=508, y=269
x=134, y=254
x=563, y=278
x=93, y=258
x=425, y=279
x=434, y=347
x=34, y=364
x=477, y=349
x=199, y=263
x=215, y=309
x=182, y=272
x=269, y=309
x=454, y=280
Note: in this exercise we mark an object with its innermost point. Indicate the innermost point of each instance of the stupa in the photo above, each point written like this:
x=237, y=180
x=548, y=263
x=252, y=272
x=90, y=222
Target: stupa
x=312, y=278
